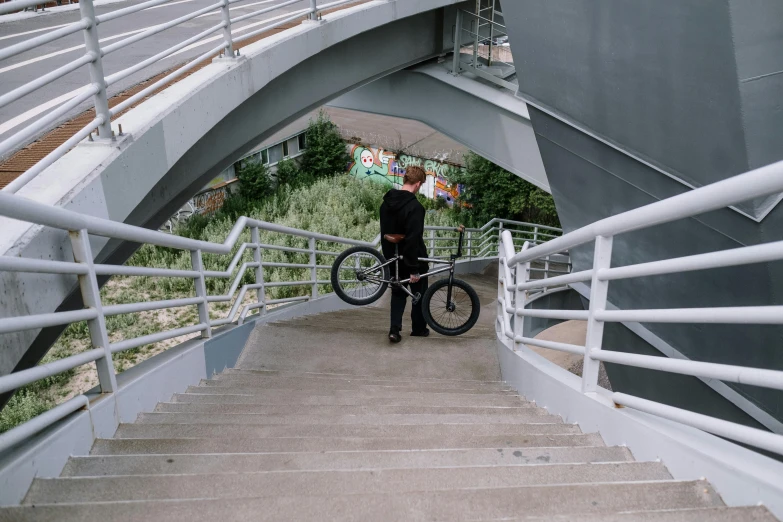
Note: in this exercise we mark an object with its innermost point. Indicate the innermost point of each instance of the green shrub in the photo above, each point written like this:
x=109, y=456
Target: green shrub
x=288, y=173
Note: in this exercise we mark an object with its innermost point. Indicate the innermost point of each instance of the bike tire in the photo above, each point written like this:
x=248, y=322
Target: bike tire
x=344, y=293
x=456, y=329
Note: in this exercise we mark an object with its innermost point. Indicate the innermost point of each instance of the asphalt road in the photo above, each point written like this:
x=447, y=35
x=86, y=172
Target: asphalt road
x=23, y=68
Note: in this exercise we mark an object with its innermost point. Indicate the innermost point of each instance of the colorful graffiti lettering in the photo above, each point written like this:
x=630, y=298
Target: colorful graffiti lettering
x=210, y=201
x=389, y=168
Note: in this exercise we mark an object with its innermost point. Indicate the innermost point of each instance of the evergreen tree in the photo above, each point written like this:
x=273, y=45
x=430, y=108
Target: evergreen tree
x=255, y=183
x=325, y=154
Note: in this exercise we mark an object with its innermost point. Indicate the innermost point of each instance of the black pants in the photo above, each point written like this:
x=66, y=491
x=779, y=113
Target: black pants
x=398, y=300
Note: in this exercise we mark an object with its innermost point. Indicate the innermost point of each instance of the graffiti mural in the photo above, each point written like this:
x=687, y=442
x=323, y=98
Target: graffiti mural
x=387, y=167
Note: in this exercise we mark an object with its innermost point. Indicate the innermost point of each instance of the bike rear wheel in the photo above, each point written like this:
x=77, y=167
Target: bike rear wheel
x=358, y=277
x=453, y=316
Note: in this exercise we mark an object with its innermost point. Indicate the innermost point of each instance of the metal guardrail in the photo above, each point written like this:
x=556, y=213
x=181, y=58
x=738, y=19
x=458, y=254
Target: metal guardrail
x=80, y=227
x=96, y=89
x=515, y=283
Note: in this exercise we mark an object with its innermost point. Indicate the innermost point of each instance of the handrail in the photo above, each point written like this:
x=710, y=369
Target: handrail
x=515, y=283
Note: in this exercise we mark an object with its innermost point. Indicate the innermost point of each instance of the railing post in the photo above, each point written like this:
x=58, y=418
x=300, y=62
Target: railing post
x=91, y=295
x=313, y=10
x=521, y=275
x=313, y=269
x=470, y=244
x=455, y=66
x=255, y=238
x=500, y=237
x=201, y=291
x=546, y=270
x=229, y=49
x=535, y=236
x=93, y=47
x=432, y=252
x=602, y=258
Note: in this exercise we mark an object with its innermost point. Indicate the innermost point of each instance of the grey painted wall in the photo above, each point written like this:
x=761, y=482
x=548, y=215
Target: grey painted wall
x=591, y=181
x=665, y=81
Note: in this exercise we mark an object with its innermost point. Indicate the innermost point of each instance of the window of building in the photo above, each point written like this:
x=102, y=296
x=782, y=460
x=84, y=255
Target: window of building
x=285, y=149
x=302, y=141
x=275, y=153
x=264, y=156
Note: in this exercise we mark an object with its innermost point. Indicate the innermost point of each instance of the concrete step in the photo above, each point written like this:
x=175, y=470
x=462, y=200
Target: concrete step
x=524, y=409
x=319, y=387
x=248, y=462
x=719, y=514
x=181, y=431
x=502, y=397
x=327, y=483
x=141, y=446
x=352, y=377
x=213, y=396
x=456, y=504
x=344, y=420
x=273, y=381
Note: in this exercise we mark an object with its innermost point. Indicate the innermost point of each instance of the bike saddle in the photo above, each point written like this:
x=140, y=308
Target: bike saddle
x=394, y=238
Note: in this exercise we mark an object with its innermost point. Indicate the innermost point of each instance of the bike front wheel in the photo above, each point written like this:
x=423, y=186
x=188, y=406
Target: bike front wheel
x=358, y=277
x=451, y=313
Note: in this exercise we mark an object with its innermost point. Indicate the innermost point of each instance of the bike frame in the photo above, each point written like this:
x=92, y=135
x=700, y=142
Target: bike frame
x=396, y=282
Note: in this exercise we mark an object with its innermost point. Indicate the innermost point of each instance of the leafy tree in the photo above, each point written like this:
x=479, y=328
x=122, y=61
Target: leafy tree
x=255, y=184
x=491, y=191
x=325, y=154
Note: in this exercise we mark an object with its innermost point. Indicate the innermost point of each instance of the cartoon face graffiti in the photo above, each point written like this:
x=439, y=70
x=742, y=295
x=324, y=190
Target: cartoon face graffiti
x=367, y=159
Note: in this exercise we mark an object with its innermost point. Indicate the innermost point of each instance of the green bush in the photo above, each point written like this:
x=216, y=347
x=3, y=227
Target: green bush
x=288, y=173
x=325, y=154
x=23, y=406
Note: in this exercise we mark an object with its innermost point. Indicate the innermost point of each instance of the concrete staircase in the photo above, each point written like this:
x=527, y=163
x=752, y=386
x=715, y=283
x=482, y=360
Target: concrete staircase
x=324, y=420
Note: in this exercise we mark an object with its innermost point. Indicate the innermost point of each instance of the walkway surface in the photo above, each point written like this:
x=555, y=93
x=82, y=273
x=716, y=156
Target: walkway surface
x=324, y=420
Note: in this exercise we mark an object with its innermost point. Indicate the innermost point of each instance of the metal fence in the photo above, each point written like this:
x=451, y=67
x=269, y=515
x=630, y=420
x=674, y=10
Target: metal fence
x=482, y=242
x=515, y=283
x=99, y=83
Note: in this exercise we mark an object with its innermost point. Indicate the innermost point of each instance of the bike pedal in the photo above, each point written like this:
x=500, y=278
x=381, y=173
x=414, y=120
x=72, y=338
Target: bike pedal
x=416, y=298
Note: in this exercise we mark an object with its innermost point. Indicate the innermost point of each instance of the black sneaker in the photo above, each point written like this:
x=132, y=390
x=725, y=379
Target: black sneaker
x=423, y=333
x=394, y=336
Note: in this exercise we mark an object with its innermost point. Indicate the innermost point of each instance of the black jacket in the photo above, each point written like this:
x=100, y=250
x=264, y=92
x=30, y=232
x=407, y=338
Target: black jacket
x=401, y=213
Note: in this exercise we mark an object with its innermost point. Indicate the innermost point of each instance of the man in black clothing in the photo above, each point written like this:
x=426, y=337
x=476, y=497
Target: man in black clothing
x=401, y=213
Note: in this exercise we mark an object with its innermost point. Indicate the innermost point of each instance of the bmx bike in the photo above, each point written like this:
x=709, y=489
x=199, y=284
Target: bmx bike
x=361, y=275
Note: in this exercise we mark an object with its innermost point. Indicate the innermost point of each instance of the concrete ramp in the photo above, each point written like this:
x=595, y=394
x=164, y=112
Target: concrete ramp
x=323, y=419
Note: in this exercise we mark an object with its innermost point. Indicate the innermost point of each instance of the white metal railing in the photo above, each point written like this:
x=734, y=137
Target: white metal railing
x=515, y=284
x=94, y=53
x=81, y=227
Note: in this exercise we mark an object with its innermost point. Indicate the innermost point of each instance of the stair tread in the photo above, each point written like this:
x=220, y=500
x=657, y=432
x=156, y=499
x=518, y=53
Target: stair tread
x=332, y=410
x=140, y=430
x=297, y=444
x=717, y=514
x=342, y=376
x=295, y=384
x=332, y=482
x=204, y=395
x=231, y=388
x=455, y=504
x=95, y=465
x=532, y=417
